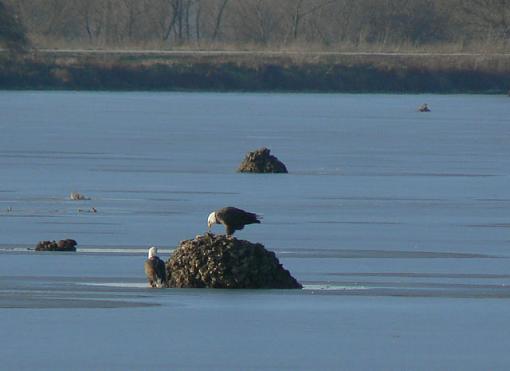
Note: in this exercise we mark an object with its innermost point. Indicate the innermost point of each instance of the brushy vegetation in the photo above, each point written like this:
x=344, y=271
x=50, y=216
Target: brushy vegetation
x=12, y=33
x=241, y=24
x=276, y=73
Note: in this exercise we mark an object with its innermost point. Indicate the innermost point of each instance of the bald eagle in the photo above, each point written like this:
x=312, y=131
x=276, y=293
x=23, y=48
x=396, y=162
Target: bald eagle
x=232, y=218
x=155, y=269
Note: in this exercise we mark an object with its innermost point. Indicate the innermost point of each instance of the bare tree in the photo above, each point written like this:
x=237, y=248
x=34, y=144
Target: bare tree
x=486, y=17
x=219, y=17
x=304, y=8
x=198, y=14
x=265, y=22
x=258, y=21
x=175, y=8
x=12, y=32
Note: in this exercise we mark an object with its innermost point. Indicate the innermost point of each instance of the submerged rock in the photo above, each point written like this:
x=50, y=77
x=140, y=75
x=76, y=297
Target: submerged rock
x=218, y=261
x=62, y=245
x=261, y=161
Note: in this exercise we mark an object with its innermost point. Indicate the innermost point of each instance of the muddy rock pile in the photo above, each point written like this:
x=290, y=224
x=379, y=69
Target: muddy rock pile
x=261, y=161
x=62, y=245
x=217, y=261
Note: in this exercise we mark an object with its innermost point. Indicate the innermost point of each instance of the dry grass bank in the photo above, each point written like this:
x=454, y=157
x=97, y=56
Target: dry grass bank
x=262, y=70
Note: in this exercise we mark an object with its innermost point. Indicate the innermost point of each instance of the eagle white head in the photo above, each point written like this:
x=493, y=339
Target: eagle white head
x=153, y=251
x=211, y=220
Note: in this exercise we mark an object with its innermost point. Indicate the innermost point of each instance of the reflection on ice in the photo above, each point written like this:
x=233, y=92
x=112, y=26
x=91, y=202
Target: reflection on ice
x=137, y=285
x=332, y=287
x=134, y=285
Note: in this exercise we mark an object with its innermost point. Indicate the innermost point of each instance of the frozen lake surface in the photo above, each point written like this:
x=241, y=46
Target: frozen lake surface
x=396, y=222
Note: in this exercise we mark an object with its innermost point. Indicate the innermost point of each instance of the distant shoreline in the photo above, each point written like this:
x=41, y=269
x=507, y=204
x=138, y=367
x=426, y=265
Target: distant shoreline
x=364, y=72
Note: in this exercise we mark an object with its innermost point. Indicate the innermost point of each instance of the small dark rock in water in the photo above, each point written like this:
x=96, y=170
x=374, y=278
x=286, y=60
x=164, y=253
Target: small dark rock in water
x=92, y=210
x=261, y=161
x=218, y=261
x=424, y=108
x=62, y=245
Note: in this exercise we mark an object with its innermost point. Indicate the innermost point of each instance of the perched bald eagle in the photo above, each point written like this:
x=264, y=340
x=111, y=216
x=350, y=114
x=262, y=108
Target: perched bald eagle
x=232, y=218
x=155, y=269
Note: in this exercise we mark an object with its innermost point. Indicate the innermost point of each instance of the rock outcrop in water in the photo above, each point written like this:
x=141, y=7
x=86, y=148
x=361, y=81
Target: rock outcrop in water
x=62, y=245
x=424, y=108
x=217, y=261
x=261, y=161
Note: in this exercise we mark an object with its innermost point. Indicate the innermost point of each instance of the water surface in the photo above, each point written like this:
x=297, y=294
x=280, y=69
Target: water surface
x=396, y=222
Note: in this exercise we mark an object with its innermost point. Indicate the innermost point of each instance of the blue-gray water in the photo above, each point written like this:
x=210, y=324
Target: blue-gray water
x=396, y=221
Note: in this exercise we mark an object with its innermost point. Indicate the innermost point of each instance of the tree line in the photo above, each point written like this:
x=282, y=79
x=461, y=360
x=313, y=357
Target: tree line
x=246, y=24
x=12, y=32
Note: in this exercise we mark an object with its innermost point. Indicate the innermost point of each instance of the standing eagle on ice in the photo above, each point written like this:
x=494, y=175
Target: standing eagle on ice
x=155, y=269
x=232, y=218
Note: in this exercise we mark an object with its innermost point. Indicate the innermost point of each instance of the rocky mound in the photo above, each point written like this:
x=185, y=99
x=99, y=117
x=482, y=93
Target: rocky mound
x=261, y=161
x=424, y=108
x=62, y=245
x=217, y=261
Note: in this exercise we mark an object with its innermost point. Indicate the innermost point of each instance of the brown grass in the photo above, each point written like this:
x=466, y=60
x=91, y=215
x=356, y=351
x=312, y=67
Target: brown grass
x=488, y=46
x=416, y=59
